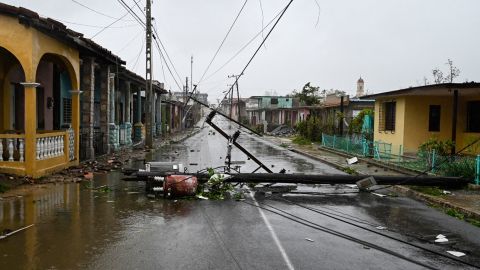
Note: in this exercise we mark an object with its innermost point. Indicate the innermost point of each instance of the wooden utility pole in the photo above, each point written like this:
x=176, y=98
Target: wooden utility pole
x=148, y=78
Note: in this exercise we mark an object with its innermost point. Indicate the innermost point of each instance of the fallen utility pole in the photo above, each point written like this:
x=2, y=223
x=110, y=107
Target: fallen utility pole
x=226, y=116
x=233, y=140
x=318, y=179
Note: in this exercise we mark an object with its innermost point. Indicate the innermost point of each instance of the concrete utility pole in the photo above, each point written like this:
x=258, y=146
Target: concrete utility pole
x=191, y=73
x=148, y=78
x=238, y=95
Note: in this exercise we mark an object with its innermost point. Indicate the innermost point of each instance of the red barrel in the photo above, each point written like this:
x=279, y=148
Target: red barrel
x=180, y=185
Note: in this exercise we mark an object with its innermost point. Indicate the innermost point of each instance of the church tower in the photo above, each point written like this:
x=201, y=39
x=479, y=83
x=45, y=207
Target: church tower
x=360, y=87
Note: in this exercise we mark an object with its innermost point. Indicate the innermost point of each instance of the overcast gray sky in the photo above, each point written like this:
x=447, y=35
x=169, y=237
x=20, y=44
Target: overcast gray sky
x=391, y=44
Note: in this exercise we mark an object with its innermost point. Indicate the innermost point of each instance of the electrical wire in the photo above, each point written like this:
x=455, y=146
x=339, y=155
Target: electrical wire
x=244, y=46
x=166, y=63
x=138, y=56
x=143, y=24
x=141, y=10
x=258, y=49
x=95, y=11
x=130, y=41
x=96, y=26
x=107, y=26
x=166, y=53
x=374, y=231
x=134, y=15
x=319, y=227
x=223, y=41
x=433, y=167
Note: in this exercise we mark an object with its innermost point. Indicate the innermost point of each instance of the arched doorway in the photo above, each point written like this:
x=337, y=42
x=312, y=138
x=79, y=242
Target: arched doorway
x=54, y=97
x=12, y=112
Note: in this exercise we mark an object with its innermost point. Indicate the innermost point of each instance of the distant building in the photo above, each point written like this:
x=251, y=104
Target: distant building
x=406, y=118
x=360, y=87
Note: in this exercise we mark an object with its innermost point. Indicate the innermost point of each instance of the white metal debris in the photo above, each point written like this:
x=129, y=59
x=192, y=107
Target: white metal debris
x=351, y=161
x=456, y=253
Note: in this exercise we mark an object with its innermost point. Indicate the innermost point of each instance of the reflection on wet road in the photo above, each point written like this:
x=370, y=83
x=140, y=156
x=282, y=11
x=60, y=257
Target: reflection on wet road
x=78, y=228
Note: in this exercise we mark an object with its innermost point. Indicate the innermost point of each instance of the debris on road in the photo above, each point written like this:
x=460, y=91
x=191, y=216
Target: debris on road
x=441, y=239
x=351, y=161
x=456, y=253
x=379, y=195
x=309, y=240
x=8, y=233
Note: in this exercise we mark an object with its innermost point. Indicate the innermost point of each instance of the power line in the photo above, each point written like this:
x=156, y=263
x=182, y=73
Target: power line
x=107, y=26
x=259, y=47
x=134, y=15
x=96, y=26
x=341, y=219
x=93, y=10
x=138, y=56
x=223, y=41
x=130, y=41
x=165, y=50
x=166, y=63
x=143, y=24
x=141, y=10
x=324, y=229
x=245, y=46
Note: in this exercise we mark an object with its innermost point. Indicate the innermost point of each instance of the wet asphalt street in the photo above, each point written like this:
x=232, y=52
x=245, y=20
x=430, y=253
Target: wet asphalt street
x=77, y=228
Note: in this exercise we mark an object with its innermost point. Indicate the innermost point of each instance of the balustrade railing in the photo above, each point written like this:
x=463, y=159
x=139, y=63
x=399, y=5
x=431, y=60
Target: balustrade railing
x=12, y=147
x=50, y=145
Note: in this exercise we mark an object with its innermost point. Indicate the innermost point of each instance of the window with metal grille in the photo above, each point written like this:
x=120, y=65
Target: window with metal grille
x=473, y=116
x=434, y=118
x=390, y=109
x=67, y=110
x=274, y=101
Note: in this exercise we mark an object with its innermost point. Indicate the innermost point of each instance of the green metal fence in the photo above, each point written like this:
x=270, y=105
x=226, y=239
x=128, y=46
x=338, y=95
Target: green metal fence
x=421, y=161
x=354, y=145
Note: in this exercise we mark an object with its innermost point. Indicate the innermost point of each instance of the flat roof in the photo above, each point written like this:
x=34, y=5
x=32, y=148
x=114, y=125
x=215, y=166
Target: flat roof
x=442, y=89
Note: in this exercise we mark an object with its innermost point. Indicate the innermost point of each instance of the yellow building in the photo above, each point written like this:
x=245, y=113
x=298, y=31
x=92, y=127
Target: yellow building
x=406, y=118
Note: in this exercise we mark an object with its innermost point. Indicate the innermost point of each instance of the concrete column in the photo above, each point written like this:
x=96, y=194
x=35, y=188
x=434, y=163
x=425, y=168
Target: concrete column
x=30, y=127
x=158, y=108
x=138, y=117
x=128, y=105
x=105, y=107
x=154, y=113
x=114, y=135
x=88, y=102
x=127, y=101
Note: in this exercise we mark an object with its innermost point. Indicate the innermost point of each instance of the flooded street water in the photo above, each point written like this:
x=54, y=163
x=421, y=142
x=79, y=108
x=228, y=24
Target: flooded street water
x=79, y=228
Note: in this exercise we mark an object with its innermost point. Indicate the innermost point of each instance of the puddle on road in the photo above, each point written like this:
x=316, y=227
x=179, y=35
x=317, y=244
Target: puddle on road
x=73, y=223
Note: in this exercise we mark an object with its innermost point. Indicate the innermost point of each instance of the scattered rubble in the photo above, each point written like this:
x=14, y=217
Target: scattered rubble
x=282, y=130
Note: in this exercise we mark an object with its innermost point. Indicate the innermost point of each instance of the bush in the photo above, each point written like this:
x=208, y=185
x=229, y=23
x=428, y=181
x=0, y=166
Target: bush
x=441, y=148
x=301, y=140
x=462, y=167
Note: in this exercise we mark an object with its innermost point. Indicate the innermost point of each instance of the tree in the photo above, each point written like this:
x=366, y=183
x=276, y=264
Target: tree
x=308, y=95
x=437, y=76
x=453, y=72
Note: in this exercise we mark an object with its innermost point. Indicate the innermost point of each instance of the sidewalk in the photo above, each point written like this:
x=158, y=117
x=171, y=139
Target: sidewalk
x=463, y=204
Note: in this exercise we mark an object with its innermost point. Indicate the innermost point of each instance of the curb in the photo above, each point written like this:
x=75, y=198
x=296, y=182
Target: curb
x=372, y=162
x=335, y=165
x=435, y=200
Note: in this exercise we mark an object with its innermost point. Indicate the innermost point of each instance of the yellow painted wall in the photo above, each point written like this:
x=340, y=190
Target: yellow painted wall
x=412, y=116
x=417, y=117
x=29, y=45
x=465, y=138
x=396, y=137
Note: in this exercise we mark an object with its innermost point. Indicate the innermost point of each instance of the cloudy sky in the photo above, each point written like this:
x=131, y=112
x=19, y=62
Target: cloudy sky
x=391, y=44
